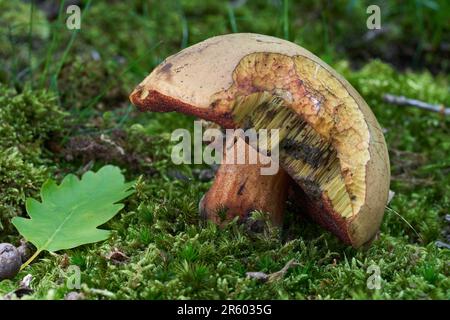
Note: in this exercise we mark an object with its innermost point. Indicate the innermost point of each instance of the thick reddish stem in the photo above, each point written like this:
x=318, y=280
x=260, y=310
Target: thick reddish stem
x=239, y=189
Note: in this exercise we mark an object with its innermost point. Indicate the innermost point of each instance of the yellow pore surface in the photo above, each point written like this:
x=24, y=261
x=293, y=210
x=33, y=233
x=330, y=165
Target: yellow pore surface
x=324, y=102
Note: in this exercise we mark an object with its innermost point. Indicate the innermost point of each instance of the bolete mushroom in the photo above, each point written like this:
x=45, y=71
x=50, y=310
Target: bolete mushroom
x=330, y=143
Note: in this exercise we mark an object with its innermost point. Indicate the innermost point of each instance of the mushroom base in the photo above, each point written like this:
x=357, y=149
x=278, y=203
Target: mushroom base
x=239, y=189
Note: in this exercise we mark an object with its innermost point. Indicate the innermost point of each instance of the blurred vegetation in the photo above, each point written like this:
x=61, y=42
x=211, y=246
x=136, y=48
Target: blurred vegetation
x=64, y=109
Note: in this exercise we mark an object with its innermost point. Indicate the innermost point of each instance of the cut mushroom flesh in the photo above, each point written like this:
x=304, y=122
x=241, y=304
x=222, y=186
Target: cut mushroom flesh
x=330, y=142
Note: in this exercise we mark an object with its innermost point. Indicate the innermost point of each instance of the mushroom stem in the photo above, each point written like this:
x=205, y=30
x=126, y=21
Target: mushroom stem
x=239, y=189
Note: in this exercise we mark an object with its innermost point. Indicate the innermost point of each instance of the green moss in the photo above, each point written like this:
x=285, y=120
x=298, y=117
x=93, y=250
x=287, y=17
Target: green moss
x=85, y=82
x=173, y=255
x=19, y=179
x=29, y=119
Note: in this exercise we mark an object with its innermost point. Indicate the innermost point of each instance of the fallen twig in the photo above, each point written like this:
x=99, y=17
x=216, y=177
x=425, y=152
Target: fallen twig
x=263, y=277
x=403, y=101
x=106, y=139
x=442, y=245
x=23, y=289
x=280, y=274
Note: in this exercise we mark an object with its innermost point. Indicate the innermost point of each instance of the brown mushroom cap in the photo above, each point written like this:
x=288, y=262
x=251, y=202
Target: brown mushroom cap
x=210, y=78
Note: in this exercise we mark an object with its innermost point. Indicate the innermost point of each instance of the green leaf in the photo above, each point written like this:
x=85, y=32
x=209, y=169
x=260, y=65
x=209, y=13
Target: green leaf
x=70, y=213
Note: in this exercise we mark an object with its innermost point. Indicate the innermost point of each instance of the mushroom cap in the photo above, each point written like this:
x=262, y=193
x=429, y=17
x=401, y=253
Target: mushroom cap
x=208, y=78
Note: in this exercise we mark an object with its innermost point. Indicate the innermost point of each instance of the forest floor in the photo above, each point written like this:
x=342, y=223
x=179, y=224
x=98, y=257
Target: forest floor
x=64, y=109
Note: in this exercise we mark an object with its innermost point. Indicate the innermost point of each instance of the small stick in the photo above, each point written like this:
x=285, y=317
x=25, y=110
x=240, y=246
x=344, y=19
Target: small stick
x=403, y=101
x=263, y=277
x=280, y=274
